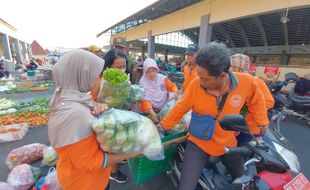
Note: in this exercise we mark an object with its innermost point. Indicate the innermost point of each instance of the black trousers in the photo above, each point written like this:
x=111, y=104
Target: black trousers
x=195, y=160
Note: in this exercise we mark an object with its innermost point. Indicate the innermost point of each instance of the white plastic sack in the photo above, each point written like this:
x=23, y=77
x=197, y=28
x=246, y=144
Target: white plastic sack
x=121, y=132
x=22, y=177
x=25, y=155
x=5, y=186
x=51, y=180
x=184, y=123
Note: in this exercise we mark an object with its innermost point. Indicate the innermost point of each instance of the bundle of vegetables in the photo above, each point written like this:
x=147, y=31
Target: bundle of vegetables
x=22, y=177
x=115, y=88
x=50, y=157
x=184, y=123
x=25, y=155
x=121, y=131
x=39, y=105
x=32, y=118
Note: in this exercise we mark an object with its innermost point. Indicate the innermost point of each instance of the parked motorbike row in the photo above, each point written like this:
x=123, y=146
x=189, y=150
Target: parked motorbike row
x=270, y=164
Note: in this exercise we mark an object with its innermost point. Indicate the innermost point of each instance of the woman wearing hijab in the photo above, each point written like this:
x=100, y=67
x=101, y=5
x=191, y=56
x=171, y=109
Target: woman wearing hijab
x=82, y=164
x=156, y=89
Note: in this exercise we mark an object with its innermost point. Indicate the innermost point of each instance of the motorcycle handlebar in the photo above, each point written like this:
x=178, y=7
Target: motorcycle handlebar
x=245, y=151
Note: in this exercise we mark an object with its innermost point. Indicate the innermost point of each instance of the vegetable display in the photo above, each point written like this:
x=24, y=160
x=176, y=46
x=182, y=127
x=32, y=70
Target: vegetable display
x=180, y=127
x=121, y=131
x=115, y=88
x=32, y=118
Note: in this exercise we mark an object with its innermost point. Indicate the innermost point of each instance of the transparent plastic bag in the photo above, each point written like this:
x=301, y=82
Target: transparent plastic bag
x=136, y=93
x=22, y=177
x=121, y=132
x=51, y=180
x=184, y=123
x=50, y=157
x=25, y=154
x=114, y=95
x=5, y=186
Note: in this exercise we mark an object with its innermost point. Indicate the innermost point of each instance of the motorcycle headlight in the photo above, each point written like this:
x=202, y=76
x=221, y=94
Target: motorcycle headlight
x=289, y=156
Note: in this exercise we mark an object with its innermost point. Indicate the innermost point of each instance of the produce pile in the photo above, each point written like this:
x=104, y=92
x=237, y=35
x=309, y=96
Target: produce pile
x=184, y=123
x=121, y=132
x=23, y=176
x=34, y=112
x=10, y=87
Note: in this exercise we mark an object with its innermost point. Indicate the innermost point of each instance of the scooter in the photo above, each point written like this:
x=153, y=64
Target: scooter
x=270, y=164
x=290, y=105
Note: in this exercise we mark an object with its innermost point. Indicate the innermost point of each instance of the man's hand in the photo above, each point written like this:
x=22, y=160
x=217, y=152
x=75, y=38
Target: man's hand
x=99, y=108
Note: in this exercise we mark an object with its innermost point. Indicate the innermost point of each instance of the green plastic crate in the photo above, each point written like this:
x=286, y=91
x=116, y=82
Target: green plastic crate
x=144, y=169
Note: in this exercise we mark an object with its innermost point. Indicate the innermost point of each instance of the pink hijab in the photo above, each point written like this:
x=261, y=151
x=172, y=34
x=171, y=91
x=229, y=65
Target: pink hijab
x=70, y=119
x=154, y=91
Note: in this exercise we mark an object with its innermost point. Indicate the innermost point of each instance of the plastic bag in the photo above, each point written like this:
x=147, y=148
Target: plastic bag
x=49, y=182
x=114, y=95
x=25, y=154
x=22, y=177
x=184, y=123
x=136, y=93
x=50, y=157
x=5, y=186
x=121, y=132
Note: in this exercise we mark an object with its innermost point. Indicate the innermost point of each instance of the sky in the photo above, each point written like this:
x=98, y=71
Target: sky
x=67, y=23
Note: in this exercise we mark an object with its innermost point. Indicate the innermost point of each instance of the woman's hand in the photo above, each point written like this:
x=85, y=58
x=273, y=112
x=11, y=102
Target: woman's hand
x=99, y=108
x=153, y=116
x=175, y=97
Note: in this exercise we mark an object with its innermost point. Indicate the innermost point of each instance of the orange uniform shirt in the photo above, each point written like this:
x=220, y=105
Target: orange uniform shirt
x=242, y=88
x=189, y=75
x=269, y=102
x=80, y=166
x=147, y=105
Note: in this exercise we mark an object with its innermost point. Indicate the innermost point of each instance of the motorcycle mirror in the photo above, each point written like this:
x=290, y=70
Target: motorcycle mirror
x=234, y=122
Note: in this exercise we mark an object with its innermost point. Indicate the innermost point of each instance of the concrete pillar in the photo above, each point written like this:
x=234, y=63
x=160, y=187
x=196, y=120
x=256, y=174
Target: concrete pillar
x=17, y=50
x=205, y=31
x=150, y=45
x=6, y=47
x=166, y=55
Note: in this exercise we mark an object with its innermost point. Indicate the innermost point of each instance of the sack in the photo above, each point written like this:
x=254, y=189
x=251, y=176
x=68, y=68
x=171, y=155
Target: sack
x=122, y=132
x=22, y=177
x=25, y=155
x=202, y=126
x=5, y=186
x=182, y=126
x=50, y=157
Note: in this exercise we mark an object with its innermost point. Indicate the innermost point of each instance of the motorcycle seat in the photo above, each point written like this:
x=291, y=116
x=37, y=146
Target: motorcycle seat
x=299, y=99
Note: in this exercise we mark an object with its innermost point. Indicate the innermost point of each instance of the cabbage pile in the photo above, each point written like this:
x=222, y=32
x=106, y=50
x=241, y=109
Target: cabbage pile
x=184, y=123
x=121, y=132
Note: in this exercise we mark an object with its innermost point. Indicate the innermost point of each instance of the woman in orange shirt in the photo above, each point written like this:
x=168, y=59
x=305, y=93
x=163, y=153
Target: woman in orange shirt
x=156, y=89
x=82, y=164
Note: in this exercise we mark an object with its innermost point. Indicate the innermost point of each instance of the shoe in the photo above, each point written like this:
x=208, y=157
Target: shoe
x=119, y=177
x=124, y=162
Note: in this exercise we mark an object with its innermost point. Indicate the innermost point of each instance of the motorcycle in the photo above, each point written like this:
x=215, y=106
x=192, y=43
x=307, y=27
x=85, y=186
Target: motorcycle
x=269, y=164
x=290, y=105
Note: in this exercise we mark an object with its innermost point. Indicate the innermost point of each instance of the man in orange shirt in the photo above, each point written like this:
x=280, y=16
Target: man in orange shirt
x=241, y=63
x=214, y=86
x=190, y=67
